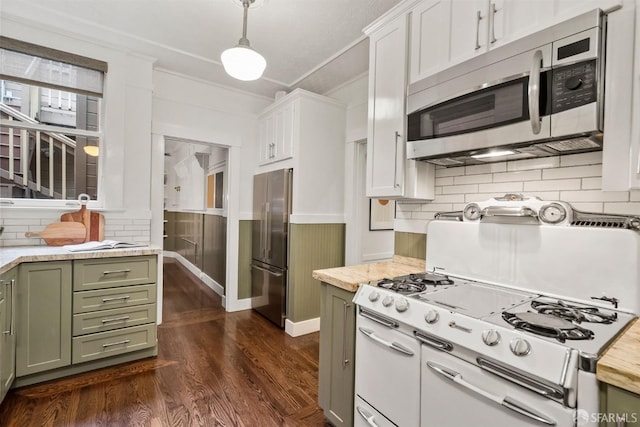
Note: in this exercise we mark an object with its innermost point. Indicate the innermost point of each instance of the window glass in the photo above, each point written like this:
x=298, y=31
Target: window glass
x=49, y=128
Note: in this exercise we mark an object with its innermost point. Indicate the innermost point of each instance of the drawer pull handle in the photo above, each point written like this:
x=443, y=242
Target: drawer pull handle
x=116, y=319
x=111, y=344
x=125, y=297
x=124, y=271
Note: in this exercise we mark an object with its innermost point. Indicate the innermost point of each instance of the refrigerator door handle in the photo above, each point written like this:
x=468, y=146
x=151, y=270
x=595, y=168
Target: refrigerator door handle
x=268, y=234
x=263, y=225
x=273, y=273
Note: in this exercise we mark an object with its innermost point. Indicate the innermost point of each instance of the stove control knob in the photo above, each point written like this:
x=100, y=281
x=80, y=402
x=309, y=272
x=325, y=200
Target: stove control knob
x=520, y=347
x=374, y=296
x=402, y=304
x=431, y=317
x=490, y=337
x=387, y=301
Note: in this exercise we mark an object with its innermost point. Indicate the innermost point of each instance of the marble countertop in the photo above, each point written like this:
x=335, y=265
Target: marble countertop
x=12, y=256
x=349, y=278
x=620, y=364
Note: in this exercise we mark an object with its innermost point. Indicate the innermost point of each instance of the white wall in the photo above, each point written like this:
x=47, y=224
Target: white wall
x=362, y=245
x=576, y=179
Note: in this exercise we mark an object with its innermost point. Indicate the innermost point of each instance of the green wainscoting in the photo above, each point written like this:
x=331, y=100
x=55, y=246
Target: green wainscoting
x=214, y=248
x=311, y=247
x=244, y=259
x=412, y=245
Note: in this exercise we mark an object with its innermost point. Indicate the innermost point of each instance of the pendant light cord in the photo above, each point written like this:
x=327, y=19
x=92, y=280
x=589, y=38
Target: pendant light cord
x=245, y=6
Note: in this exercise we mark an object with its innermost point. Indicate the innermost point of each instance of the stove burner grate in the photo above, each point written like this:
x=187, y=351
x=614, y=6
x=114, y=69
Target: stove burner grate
x=413, y=283
x=402, y=286
x=574, y=313
x=547, y=325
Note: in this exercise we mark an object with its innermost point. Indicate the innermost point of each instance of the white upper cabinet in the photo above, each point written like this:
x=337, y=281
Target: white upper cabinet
x=276, y=133
x=389, y=173
x=429, y=38
x=447, y=32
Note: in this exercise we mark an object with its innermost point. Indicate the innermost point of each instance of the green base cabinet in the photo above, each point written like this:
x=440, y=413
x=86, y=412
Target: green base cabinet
x=620, y=408
x=43, y=317
x=337, y=350
x=7, y=331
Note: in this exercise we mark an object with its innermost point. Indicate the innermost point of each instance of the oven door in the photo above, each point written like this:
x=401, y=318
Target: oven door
x=387, y=372
x=458, y=393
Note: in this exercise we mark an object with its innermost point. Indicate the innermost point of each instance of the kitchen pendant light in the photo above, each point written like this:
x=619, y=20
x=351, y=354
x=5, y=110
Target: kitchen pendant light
x=241, y=62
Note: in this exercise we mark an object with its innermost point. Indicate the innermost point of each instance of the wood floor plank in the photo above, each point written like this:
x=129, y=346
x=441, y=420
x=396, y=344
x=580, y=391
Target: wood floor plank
x=213, y=369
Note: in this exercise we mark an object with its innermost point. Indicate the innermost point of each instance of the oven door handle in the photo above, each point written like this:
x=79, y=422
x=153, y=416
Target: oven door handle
x=507, y=402
x=392, y=345
x=369, y=418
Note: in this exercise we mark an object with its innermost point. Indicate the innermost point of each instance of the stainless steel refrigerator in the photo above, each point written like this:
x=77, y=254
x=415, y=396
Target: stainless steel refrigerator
x=270, y=232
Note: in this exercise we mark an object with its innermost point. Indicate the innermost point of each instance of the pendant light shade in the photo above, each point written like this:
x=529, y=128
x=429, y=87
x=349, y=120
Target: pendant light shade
x=242, y=62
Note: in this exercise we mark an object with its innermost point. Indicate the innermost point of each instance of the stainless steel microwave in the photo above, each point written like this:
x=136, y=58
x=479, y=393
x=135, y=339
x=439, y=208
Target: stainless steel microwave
x=541, y=95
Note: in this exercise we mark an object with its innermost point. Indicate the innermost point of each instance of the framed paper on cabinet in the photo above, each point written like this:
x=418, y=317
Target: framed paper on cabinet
x=382, y=212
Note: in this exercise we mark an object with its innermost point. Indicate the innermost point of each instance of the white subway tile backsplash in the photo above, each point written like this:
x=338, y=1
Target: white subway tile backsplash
x=449, y=198
x=592, y=183
x=573, y=172
x=408, y=207
x=544, y=195
x=460, y=189
x=24, y=221
x=542, y=163
x=473, y=179
x=501, y=187
x=634, y=196
x=437, y=207
x=529, y=175
x=479, y=197
x=447, y=180
x=623, y=208
x=594, y=158
x=441, y=172
x=422, y=215
x=488, y=168
x=553, y=184
x=594, y=196
x=588, y=206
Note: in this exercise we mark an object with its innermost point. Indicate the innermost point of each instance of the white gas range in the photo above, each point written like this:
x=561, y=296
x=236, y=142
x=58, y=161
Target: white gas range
x=520, y=300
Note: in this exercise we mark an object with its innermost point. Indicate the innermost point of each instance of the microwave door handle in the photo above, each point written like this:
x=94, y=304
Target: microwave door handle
x=533, y=92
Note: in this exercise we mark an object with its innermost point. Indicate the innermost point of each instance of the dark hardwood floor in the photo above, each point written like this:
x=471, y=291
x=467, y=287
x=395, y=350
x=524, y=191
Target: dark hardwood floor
x=213, y=369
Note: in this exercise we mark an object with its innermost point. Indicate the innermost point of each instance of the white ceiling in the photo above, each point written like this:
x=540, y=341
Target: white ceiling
x=313, y=44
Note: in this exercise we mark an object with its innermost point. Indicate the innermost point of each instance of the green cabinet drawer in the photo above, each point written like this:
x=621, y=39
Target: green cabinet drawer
x=113, y=272
x=107, y=320
x=102, y=299
x=106, y=344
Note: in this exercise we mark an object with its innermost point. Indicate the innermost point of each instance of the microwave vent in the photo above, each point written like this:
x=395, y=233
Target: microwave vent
x=446, y=161
x=573, y=144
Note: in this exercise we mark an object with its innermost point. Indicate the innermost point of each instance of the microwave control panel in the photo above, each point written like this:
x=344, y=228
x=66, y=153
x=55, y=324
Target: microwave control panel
x=574, y=85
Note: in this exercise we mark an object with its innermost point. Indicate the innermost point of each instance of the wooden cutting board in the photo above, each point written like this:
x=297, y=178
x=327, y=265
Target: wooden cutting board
x=92, y=221
x=61, y=233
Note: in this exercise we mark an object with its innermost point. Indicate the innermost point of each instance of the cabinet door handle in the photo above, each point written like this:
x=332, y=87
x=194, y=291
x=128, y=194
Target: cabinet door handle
x=493, y=23
x=111, y=344
x=116, y=319
x=478, y=19
x=125, y=297
x=345, y=361
x=9, y=285
x=123, y=271
x=395, y=165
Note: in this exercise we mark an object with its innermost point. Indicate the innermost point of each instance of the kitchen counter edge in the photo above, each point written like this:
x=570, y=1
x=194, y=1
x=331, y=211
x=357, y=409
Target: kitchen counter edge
x=349, y=278
x=620, y=364
x=13, y=256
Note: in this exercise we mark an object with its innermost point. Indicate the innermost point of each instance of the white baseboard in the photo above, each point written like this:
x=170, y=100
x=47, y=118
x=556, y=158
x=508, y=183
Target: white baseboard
x=301, y=328
x=217, y=288
x=238, y=305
